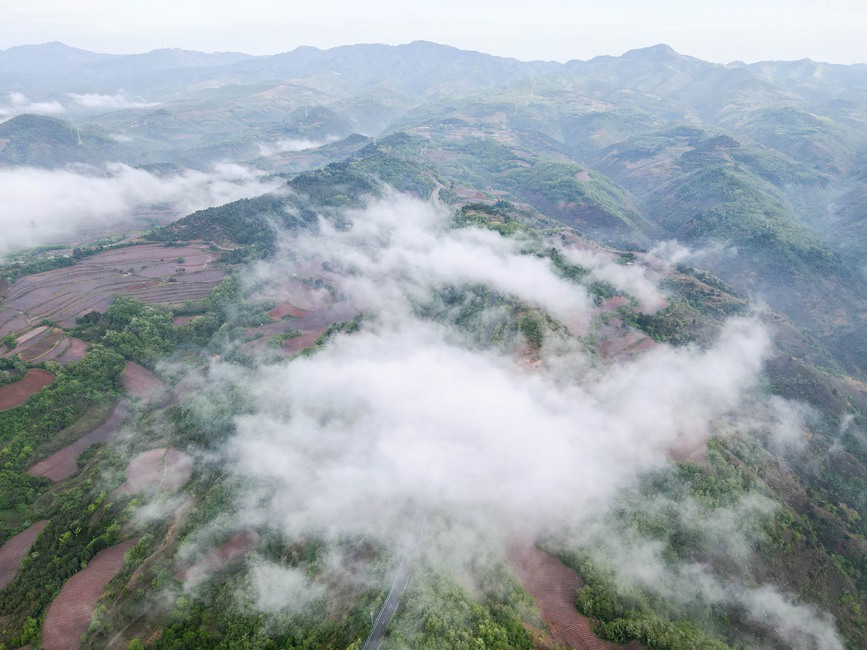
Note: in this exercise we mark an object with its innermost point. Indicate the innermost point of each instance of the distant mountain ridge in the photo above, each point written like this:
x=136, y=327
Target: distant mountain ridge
x=419, y=66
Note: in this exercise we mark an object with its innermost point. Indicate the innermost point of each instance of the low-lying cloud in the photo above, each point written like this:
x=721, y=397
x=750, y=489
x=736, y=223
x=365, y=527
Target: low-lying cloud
x=407, y=421
x=397, y=415
x=95, y=101
x=405, y=412
x=399, y=249
x=18, y=104
x=50, y=206
x=292, y=146
x=637, y=281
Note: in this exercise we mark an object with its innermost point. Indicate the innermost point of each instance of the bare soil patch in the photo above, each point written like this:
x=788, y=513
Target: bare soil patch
x=41, y=347
x=69, y=615
x=164, y=469
x=15, y=394
x=74, y=352
x=285, y=309
x=230, y=552
x=14, y=550
x=64, y=463
x=151, y=272
x=141, y=382
x=553, y=585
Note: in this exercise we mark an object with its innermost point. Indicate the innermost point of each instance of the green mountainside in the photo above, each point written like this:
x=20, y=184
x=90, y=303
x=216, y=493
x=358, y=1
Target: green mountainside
x=285, y=417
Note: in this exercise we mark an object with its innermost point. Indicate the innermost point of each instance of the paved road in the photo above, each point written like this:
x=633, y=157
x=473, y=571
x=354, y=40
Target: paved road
x=398, y=586
x=389, y=607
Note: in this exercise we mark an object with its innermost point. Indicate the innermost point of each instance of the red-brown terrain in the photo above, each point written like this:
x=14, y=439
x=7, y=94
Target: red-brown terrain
x=553, y=585
x=16, y=393
x=150, y=272
x=307, y=304
x=69, y=615
x=164, y=469
x=47, y=344
x=14, y=550
x=231, y=551
x=141, y=382
x=64, y=463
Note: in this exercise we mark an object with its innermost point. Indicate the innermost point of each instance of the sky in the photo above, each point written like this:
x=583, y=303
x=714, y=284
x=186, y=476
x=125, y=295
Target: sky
x=736, y=30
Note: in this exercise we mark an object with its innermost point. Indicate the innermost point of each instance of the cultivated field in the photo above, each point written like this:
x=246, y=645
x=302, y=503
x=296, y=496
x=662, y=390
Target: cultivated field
x=69, y=615
x=553, y=586
x=164, y=469
x=45, y=343
x=232, y=551
x=64, y=463
x=15, y=394
x=141, y=382
x=14, y=550
x=153, y=273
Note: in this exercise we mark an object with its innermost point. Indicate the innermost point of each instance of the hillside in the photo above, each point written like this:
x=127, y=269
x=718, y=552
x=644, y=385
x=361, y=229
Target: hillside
x=416, y=347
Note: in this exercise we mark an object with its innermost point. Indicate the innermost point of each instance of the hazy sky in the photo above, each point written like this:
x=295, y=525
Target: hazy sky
x=747, y=30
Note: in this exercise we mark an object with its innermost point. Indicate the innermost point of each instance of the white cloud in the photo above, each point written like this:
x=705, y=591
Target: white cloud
x=292, y=146
x=48, y=206
x=635, y=280
x=399, y=248
x=106, y=102
x=19, y=104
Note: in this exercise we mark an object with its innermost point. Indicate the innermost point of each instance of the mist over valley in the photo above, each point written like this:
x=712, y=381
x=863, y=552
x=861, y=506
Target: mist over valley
x=418, y=347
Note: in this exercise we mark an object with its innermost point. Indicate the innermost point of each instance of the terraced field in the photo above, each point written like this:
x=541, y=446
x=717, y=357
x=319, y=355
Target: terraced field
x=164, y=469
x=141, y=382
x=232, y=551
x=553, y=586
x=69, y=615
x=64, y=463
x=153, y=273
x=46, y=343
x=15, y=394
x=14, y=550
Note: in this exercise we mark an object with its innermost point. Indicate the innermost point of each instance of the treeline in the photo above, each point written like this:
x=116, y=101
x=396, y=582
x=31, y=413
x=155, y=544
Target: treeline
x=246, y=221
x=222, y=617
x=439, y=614
x=145, y=333
x=76, y=388
x=81, y=524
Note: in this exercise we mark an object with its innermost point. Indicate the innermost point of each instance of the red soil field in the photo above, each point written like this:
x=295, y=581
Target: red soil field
x=75, y=351
x=616, y=302
x=553, y=585
x=307, y=339
x=15, y=394
x=617, y=340
x=165, y=469
x=141, y=382
x=14, y=550
x=144, y=271
x=69, y=615
x=64, y=463
x=285, y=309
x=41, y=347
x=228, y=553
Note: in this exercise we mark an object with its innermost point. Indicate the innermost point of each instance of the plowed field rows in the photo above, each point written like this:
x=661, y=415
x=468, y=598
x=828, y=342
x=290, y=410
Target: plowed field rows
x=63, y=294
x=16, y=393
x=64, y=463
x=164, y=469
x=234, y=550
x=141, y=382
x=553, y=585
x=14, y=550
x=69, y=615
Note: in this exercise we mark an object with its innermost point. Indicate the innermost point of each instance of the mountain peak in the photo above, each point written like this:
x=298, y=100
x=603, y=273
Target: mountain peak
x=654, y=52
